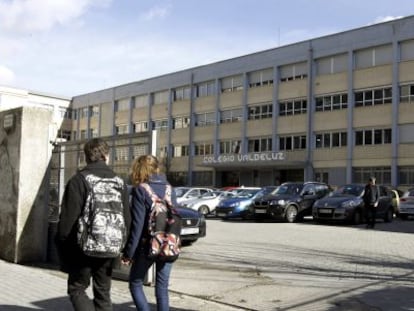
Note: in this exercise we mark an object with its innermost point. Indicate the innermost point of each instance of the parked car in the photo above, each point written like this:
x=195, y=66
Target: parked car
x=238, y=206
x=346, y=205
x=291, y=201
x=407, y=204
x=193, y=225
x=188, y=193
x=207, y=203
x=396, y=194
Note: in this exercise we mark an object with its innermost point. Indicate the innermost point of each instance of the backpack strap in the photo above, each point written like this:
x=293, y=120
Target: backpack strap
x=155, y=197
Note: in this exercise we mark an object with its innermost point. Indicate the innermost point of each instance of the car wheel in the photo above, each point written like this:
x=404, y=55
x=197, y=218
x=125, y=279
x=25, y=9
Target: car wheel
x=291, y=213
x=203, y=209
x=357, y=218
x=389, y=214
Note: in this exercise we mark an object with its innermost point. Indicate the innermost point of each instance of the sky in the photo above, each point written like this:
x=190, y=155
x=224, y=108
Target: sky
x=72, y=47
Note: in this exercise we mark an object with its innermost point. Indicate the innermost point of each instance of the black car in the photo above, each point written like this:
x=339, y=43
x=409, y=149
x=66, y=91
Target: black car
x=193, y=225
x=346, y=205
x=291, y=201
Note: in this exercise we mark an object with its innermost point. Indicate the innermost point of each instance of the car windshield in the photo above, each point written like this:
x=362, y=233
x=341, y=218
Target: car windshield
x=288, y=189
x=227, y=194
x=352, y=190
x=247, y=193
x=209, y=194
x=179, y=192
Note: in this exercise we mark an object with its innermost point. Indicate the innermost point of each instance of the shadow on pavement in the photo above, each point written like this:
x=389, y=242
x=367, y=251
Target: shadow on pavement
x=63, y=304
x=395, y=299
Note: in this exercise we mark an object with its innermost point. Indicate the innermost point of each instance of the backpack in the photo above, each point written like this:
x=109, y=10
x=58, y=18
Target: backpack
x=101, y=225
x=164, y=227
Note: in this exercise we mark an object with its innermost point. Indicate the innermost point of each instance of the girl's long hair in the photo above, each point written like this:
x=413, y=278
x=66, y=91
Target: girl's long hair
x=143, y=167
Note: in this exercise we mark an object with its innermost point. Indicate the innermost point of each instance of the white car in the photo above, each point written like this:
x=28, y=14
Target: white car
x=207, y=203
x=188, y=193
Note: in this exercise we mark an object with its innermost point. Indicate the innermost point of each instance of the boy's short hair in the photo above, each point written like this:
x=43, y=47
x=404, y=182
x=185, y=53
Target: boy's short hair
x=96, y=150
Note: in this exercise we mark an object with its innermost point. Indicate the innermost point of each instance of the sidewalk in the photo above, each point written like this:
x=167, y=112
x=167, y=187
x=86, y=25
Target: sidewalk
x=24, y=288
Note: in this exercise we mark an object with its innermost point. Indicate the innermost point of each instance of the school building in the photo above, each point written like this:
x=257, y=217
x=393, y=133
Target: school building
x=338, y=109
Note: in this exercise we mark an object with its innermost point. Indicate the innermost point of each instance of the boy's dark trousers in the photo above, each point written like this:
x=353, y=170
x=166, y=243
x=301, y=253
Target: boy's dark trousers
x=371, y=215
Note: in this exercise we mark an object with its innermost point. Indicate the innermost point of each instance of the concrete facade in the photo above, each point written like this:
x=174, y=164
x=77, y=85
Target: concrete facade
x=337, y=109
x=30, y=123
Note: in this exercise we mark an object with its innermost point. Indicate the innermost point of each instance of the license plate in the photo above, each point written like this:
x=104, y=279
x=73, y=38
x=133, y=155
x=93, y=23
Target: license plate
x=324, y=211
x=260, y=211
x=221, y=214
x=185, y=231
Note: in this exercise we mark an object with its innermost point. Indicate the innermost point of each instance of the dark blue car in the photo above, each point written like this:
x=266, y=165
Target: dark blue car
x=239, y=206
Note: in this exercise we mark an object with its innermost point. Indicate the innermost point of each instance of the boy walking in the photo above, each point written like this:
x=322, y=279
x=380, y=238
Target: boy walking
x=79, y=266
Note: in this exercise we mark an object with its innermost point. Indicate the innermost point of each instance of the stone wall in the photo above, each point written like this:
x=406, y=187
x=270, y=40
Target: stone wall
x=25, y=151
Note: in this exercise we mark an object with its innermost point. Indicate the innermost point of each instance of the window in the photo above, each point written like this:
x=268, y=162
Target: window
x=122, y=105
x=161, y=97
x=373, y=137
x=331, y=140
x=232, y=115
x=331, y=65
x=373, y=97
x=121, y=153
x=406, y=175
x=293, y=72
x=181, y=122
x=182, y=93
x=331, y=102
x=202, y=178
x=292, y=142
x=362, y=174
x=206, y=89
x=232, y=84
x=94, y=111
x=83, y=134
x=139, y=150
x=407, y=50
x=407, y=93
x=161, y=125
x=93, y=133
x=181, y=151
x=291, y=107
x=64, y=134
x=201, y=149
x=71, y=114
x=262, y=111
x=141, y=101
x=84, y=112
x=261, y=78
x=230, y=146
x=121, y=129
x=139, y=127
x=259, y=144
x=373, y=57
x=205, y=119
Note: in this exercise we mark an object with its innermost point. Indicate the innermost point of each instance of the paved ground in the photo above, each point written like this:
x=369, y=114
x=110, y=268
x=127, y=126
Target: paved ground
x=310, y=268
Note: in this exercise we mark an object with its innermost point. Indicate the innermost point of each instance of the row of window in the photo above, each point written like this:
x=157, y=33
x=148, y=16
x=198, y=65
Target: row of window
x=292, y=142
x=371, y=97
x=322, y=140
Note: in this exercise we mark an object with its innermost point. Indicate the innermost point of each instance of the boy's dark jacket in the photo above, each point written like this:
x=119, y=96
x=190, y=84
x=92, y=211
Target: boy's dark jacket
x=72, y=204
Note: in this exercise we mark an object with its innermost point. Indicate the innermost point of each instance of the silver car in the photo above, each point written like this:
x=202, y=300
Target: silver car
x=407, y=204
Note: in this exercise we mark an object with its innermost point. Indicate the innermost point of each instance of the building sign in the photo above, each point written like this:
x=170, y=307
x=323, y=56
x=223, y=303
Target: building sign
x=243, y=158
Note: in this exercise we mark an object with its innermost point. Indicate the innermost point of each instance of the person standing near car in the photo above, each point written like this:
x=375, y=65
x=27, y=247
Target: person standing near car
x=146, y=169
x=371, y=200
